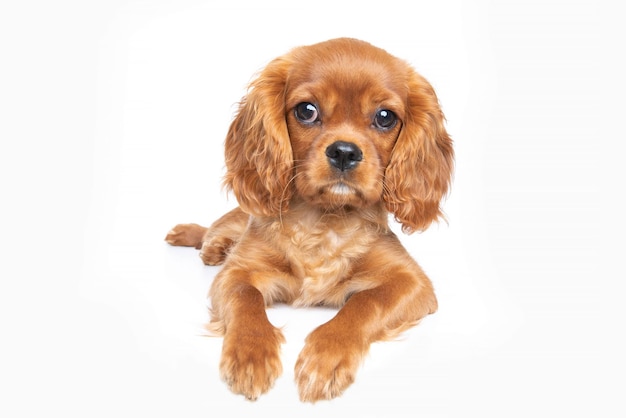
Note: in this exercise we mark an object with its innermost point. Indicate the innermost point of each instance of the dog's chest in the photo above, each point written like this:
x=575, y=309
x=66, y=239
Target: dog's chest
x=321, y=257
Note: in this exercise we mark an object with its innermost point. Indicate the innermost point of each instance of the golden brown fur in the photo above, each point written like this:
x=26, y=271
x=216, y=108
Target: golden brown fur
x=329, y=140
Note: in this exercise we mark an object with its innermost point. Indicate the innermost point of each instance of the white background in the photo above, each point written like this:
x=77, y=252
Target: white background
x=113, y=115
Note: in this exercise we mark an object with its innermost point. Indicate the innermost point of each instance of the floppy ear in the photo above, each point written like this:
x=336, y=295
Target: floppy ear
x=259, y=161
x=421, y=165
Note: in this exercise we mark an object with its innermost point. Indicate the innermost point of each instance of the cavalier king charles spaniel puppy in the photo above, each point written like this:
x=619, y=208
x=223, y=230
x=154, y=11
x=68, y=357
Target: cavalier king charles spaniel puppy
x=329, y=140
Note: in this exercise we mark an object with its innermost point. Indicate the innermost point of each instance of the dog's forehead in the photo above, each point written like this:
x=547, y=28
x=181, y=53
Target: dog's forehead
x=347, y=65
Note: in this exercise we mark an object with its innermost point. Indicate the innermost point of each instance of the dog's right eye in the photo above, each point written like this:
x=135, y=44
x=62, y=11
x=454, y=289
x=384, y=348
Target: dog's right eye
x=307, y=112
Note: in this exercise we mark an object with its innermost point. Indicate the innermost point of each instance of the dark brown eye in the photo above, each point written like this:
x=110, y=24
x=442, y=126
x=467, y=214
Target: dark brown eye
x=307, y=112
x=385, y=119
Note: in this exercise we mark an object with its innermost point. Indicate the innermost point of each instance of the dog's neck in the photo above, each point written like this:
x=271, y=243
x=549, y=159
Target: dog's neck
x=374, y=216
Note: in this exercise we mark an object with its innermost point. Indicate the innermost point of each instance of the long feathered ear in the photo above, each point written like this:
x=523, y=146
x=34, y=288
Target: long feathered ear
x=259, y=160
x=420, y=170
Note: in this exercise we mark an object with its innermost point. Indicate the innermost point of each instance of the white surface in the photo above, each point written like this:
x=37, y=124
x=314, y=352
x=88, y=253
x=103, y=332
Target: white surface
x=112, y=122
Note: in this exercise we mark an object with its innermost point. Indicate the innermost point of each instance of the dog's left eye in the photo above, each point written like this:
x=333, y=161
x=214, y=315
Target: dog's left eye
x=307, y=112
x=385, y=119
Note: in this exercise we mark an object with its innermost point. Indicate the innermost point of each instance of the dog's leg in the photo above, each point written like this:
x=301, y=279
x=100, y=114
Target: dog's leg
x=213, y=242
x=250, y=361
x=222, y=236
x=186, y=235
x=332, y=353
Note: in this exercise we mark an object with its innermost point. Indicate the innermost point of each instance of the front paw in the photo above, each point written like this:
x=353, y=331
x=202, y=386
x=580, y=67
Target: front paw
x=251, y=361
x=327, y=365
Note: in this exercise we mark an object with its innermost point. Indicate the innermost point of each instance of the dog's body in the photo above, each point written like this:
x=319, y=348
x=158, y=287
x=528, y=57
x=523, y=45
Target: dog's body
x=330, y=139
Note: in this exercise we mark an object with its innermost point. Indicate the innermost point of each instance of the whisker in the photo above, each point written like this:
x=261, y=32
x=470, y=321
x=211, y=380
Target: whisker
x=286, y=188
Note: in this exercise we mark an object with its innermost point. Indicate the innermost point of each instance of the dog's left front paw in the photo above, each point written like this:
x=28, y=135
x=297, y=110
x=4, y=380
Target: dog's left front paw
x=326, y=366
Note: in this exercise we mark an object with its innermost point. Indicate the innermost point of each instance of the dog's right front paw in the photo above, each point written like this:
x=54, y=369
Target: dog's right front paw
x=251, y=362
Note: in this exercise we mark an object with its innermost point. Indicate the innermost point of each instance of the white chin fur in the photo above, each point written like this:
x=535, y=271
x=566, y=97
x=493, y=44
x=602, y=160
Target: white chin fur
x=341, y=189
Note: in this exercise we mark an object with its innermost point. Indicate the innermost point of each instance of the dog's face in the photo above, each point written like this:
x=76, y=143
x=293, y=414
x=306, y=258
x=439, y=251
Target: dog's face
x=343, y=118
x=340, y=123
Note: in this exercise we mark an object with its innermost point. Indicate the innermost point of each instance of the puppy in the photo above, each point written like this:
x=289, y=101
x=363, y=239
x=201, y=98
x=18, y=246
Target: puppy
x=330, y=139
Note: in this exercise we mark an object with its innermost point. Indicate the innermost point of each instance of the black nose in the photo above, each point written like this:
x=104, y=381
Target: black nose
x=344, y=155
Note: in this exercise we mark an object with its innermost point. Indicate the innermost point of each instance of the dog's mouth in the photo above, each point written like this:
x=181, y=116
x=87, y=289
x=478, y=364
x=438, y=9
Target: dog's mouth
x=341, y=189
x=339, y=194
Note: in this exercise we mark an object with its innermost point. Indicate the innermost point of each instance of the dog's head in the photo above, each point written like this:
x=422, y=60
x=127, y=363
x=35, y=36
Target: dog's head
x=340, y=123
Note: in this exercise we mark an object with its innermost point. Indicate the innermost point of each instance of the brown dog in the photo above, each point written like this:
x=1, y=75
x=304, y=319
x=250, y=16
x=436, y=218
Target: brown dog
x=329, y=140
